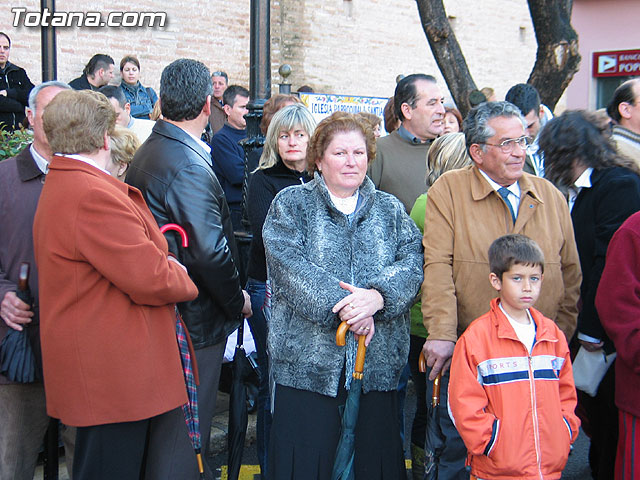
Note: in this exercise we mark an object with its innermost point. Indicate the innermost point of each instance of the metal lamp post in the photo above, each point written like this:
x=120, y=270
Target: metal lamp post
x=259, y=92
x=48, y=45
x=285, y=71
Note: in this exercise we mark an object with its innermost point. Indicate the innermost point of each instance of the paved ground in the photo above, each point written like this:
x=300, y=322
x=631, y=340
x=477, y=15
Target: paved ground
x=577, y=467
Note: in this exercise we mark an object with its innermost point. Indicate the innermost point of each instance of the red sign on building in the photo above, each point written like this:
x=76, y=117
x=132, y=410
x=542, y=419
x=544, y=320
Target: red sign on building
x=620, y=63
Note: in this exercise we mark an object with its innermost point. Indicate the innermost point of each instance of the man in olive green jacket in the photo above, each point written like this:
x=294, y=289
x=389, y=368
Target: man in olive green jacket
x=467, y=210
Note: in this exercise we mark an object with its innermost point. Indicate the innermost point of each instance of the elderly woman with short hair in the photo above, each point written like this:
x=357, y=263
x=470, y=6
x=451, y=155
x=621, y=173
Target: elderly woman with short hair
x=123, y=143
x=108, y=289
x=338, y=250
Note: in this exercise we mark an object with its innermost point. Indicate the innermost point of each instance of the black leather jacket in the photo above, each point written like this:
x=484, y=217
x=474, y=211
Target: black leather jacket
x=15, y=81
x=174, y=174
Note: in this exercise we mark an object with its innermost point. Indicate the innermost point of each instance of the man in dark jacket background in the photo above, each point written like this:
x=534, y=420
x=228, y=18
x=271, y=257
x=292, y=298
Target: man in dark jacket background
x=173, y=171
x=227, y=154
x=14, y=89
x=97, y=73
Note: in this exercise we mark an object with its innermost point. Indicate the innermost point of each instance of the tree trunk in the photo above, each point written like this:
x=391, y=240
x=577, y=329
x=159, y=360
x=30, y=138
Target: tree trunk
x=557, y=58
x=447, y=52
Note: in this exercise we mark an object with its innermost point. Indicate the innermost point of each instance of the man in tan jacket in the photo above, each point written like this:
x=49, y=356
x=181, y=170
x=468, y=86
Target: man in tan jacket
x=466, y=211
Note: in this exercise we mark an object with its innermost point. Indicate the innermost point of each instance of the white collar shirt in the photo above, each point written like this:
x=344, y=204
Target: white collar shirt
x=41, y=162
x=83, y=159
x=514, y=192
x=583, y=181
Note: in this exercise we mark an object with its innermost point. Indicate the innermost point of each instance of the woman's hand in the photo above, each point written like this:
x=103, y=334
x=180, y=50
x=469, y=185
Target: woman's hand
x=358, y=308
x=365, y=327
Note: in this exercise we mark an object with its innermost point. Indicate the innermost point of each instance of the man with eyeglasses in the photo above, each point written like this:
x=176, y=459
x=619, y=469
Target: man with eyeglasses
x=624, y=110
x=466, y=211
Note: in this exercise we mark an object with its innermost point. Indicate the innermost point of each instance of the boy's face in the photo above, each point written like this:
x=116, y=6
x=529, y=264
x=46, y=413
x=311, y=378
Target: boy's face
x=519, y=288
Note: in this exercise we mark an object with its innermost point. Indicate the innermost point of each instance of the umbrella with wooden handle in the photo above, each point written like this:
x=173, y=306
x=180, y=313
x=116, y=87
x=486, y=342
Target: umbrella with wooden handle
x=434, y=439
x=343, y=464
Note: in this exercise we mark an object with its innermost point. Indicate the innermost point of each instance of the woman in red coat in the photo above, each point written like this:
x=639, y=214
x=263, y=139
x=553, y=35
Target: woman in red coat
x=108, y=292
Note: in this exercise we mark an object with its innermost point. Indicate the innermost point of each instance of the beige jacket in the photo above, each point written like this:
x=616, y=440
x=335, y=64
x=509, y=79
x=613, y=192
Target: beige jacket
x=217, y=117
x=627, y=143
x=464, y=216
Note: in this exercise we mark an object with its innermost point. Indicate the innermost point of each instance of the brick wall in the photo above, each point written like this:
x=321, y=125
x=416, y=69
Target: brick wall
x=336, y=46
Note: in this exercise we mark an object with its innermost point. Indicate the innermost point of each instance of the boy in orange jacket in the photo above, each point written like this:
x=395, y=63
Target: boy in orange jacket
x=511, y=392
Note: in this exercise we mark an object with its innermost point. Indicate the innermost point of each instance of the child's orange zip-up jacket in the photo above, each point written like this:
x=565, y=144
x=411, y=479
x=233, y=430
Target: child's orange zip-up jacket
x=514, y=410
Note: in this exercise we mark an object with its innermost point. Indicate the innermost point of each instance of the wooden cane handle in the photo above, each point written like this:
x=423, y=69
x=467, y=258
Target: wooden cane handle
x=422, y=363
x=435, y=399
x=360, y=354
x=23, y=276
x=362, y=349
x=341, y=333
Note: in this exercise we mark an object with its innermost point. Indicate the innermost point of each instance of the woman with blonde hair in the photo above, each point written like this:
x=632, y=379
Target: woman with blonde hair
x=156, y=113
x=373, y=120
x=124, y=144
x=271, y=107
x=283, y=163
x=447, y=152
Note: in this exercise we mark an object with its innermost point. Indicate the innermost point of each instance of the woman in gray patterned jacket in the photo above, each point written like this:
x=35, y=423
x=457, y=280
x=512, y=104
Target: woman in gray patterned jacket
x=337, y=249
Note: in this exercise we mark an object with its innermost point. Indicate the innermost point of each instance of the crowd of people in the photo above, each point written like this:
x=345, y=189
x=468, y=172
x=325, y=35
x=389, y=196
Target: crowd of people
x=498, y=247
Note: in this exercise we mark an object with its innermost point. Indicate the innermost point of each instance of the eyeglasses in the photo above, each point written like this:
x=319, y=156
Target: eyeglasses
x=508, y=145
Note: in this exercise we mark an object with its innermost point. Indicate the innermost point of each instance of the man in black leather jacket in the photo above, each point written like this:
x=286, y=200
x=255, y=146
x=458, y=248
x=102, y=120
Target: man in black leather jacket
x=173, y=171
x=14, y=89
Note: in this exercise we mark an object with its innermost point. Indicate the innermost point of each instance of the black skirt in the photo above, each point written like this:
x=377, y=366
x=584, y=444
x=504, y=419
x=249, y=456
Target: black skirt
x=306, y=430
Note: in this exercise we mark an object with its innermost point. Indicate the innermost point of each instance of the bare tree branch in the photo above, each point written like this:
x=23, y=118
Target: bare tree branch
x=557, y=58
x=446, y=51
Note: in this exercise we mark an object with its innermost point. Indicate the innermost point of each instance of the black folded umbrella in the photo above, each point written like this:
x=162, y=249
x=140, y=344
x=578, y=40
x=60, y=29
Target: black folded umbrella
x=17, y=360
x=243, y=373
x=435, y=440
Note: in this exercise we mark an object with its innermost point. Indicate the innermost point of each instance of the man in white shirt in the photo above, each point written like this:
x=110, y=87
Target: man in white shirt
x=141, y=127
x=536, y=115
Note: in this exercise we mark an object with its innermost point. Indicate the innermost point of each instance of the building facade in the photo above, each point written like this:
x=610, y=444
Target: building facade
x=609, y=44
x=355, y=47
